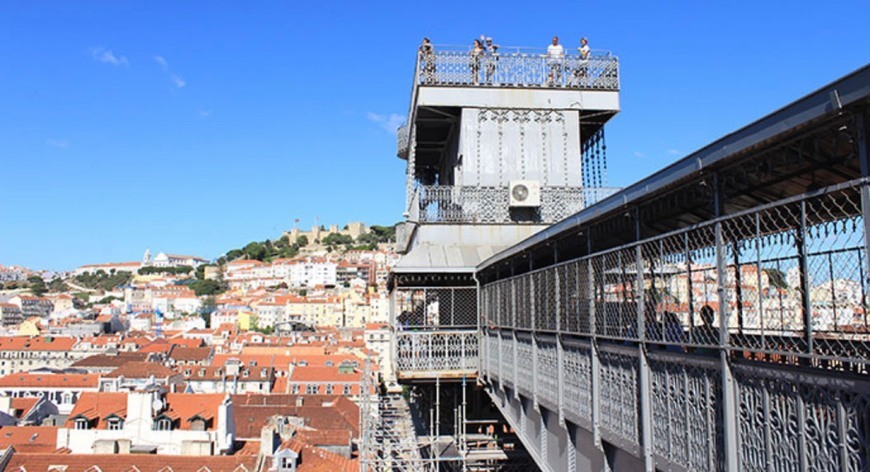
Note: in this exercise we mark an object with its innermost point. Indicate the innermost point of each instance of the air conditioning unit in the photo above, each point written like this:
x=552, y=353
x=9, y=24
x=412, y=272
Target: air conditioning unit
x=525, y=193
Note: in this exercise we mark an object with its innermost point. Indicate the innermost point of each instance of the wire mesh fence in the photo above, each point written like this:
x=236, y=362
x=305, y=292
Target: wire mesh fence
x=783, y=283
x=435, y=308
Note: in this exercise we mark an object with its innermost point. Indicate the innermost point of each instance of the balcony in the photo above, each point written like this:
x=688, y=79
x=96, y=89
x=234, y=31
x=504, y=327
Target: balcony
x=431, y=354
x=491, y=205
x=518, y=68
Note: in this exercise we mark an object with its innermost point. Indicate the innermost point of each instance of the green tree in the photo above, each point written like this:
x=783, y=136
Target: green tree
x=337, y=239
x=234, y=254
x=302, y=241
x=37, y=285
x=207, y=287
x=384, y=234
x=57, y=285
x=209, y=304
x=255, y=250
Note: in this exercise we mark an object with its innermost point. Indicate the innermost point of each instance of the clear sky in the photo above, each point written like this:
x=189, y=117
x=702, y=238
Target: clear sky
x=196, y=127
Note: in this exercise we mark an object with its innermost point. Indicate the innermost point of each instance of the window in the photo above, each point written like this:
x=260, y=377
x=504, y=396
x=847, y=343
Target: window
x=311, y=389
x=163, y=424
x=197, y=424
x=82, y=423
x=115, y=424
x=328, y=364
x=294, y=389
x=347, y=389
x=329, y=389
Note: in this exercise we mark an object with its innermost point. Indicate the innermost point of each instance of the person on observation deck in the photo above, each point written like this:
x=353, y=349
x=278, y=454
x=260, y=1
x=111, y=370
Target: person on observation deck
x=491, y=55
x=581, y=72
x=476, y=54
x=555, y=60
x=427, y=57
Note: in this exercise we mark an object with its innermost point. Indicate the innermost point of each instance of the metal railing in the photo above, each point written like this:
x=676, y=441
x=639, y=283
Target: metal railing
x=637, y=343
x=600, y=71
x=434, y=353
x=455, y=204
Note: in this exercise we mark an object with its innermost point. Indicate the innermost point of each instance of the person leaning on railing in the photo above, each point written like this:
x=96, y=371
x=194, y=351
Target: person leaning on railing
x=474, y=61
x=491, y=53
x=582, y=70
x=427, y=56
x=555, y=61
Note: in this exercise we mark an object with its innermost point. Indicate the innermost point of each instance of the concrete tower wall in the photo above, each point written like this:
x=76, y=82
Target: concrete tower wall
x=498, y=145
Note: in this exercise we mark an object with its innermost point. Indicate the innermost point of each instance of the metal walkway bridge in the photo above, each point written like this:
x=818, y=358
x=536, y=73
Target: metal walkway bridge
x=713, y=316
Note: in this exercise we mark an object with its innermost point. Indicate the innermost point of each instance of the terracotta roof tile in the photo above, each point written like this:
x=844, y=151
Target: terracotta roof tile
x=141, y=370
x=96, y=407
x=127, y=462
x=50, y=380
x=29, y=438
x=37, y=343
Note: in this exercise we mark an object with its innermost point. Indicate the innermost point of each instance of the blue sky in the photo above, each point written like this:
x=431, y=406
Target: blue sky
x=196, y=127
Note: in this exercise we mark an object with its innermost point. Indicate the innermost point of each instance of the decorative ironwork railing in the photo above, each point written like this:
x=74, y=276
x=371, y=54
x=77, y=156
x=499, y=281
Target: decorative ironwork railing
x=449, y=204
x=772, y=302
x=519, y=69
x=433, y=353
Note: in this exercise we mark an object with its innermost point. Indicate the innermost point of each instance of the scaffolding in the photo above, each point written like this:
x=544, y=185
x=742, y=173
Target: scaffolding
x=390, y=439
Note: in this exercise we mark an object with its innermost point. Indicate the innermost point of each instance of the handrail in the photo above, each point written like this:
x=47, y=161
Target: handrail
x=599, y=71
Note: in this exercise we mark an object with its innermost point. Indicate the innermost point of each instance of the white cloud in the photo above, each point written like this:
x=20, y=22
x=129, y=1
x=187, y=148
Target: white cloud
x=204, y=113
x=639, y=154
x=106, y=56
x=163, y=64
x=674, y=152
x=177, y=81
x=390, y=122
x=59, y=143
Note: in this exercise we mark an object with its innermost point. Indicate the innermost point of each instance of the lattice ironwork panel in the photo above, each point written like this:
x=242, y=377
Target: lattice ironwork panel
x=531, y=69
x=788, y=422
x=507, y=360
x=686, y=412
x=525, y=380
x=547, y=382
x=492, y=353
x=619, y=395
x=577, y=369
x=437, y=351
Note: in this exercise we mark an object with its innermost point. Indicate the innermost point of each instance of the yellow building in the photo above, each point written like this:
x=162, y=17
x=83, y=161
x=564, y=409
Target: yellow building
x=247, y=320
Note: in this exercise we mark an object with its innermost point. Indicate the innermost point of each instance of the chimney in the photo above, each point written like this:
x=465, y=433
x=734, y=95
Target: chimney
x=299, y=401
x=268, y=440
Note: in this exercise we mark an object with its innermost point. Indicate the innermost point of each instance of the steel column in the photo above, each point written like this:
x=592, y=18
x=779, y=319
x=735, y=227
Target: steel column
x=729, y=400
